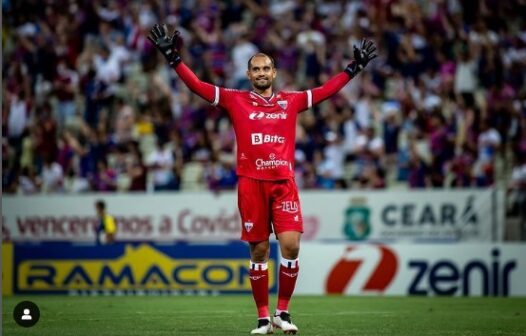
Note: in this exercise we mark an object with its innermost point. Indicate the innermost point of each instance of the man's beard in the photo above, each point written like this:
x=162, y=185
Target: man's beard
x=262, y=86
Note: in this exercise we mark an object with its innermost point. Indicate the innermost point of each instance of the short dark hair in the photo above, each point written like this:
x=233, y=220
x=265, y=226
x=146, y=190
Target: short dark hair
x=260, y=54
x=100, y=204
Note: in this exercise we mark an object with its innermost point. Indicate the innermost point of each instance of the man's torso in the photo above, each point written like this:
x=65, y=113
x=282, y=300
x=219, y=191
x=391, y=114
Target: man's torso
x=265, y=131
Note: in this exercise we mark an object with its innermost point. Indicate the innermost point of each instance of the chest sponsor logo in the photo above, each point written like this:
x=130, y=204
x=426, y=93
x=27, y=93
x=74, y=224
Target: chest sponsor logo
x=260, y=138
x=267, y=116
x=271, y=163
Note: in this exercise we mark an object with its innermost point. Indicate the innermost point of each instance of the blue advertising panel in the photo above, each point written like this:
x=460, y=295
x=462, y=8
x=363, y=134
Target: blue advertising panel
x=135, y=268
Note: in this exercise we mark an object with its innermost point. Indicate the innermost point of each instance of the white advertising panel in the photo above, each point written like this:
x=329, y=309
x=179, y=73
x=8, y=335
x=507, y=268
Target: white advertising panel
x=138, y=217
x=427, y=270
x=472, y=215
x=388, y=216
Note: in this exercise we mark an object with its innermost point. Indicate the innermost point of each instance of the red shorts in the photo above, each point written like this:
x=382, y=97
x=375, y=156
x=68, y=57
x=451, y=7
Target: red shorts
x=268, y=205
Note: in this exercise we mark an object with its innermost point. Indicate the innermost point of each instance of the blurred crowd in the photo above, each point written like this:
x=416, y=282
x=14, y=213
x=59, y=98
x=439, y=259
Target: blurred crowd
x=90, y=105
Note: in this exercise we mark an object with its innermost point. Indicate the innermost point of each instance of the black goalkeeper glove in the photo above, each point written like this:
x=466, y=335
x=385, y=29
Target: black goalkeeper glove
x=168, y=45
x=362, y=57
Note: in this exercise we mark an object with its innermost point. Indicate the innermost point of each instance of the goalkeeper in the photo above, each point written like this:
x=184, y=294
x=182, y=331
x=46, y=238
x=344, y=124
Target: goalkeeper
x=265, y=124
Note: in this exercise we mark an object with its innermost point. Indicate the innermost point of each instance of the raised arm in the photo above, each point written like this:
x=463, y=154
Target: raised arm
x=329, y=88
x=205, y=90
x=170, y=46
x=362, y=56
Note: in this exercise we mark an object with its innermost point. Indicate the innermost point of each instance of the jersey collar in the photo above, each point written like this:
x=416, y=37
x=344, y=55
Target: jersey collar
x=266, y=100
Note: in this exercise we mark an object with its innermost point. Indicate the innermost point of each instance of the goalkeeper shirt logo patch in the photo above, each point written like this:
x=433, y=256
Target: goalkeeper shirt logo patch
x=248, y=226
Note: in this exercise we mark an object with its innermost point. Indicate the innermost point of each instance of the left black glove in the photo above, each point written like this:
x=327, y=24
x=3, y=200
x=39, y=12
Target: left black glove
x=168, y=45
x=362, y=57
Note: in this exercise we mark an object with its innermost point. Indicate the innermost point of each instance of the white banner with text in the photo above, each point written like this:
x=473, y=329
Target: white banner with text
x=382, y=216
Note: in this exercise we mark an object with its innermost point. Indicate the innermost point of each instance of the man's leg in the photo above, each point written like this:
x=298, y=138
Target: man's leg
x=258, y=273
x=289, y=242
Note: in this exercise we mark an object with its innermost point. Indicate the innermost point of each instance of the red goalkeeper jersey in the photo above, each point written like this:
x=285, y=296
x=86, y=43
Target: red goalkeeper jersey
x=265, y=127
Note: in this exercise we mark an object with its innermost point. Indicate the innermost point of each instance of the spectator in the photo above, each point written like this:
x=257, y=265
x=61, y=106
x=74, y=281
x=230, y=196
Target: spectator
x=466, y=77
x=489, y=141
x=517, y=191
x=137, y=171
x=52, y=176
x=161, y=163
x=105, y=179
x=65, y=84
x=332, y=166
x=124, y=122
x=18, y=120
x=241, y=52
x=27, y=182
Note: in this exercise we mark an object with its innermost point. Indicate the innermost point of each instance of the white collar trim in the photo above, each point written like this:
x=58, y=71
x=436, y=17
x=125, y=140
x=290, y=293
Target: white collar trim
x=267, y=100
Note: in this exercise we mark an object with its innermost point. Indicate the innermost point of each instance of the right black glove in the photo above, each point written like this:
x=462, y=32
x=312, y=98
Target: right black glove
x=362, y=57
x=168, y=45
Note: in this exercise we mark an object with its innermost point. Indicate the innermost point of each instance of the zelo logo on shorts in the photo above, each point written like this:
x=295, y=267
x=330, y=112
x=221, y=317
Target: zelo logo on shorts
x=26, y=314
x=260, y=138
x=378, y=261
x=289, y=206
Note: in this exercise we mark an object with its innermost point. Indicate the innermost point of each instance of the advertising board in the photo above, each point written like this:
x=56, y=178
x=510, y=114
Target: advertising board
x=416, y=269
x=143, y=268
x=387, y=216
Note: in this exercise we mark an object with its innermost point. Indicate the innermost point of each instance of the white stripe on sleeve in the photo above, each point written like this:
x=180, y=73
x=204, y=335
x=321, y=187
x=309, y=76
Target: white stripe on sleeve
x=216, y=96
x=309, y=98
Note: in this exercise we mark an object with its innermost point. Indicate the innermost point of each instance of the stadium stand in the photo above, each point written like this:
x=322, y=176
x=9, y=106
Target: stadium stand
x=88, y=105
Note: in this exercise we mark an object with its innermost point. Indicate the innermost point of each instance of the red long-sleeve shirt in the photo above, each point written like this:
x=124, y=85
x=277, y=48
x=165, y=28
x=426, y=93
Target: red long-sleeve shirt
x=265, y=127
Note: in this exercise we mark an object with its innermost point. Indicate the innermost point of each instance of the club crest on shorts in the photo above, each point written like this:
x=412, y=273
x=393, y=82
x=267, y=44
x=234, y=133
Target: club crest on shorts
x=282, y=104
x=249, y=226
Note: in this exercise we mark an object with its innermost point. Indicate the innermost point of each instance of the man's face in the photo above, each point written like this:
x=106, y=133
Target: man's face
x=261, y=72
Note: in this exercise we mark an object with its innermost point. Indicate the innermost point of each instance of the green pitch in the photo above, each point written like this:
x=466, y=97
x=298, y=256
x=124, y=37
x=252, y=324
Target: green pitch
x=235, y=315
